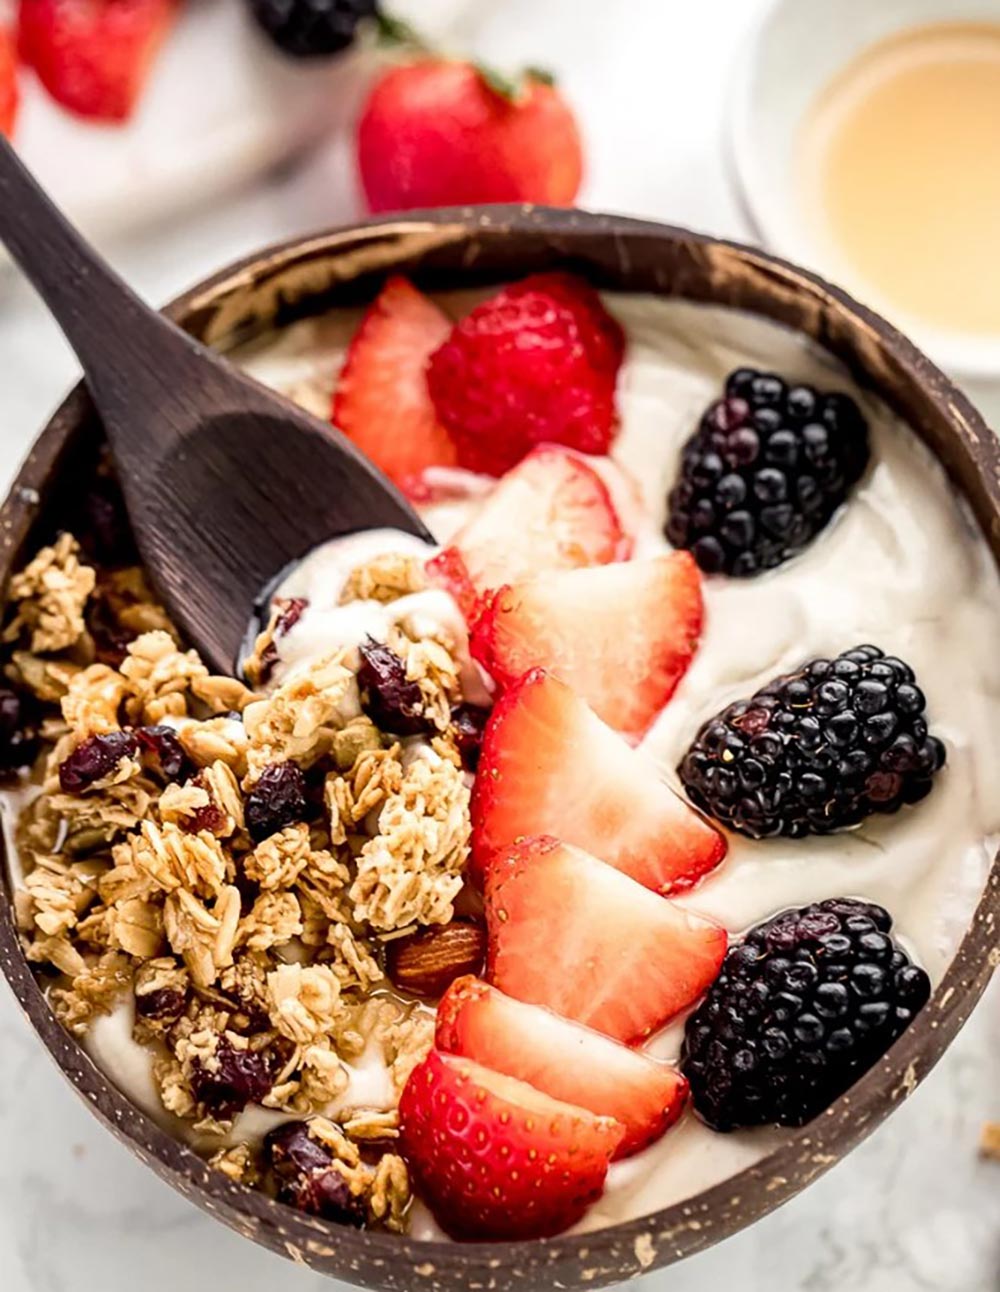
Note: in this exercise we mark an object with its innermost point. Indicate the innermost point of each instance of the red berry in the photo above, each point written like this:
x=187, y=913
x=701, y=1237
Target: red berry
x=434, y=133
x=551, y=512
x=537, y=363
x=622, y=635
x=94, y=56
x=495, y=1158
x=8, y=83
x=573, y=934
x=550, y=766
x=600, y=332
x=94, y=758
x=562, y=1059
x=392, y=700
x=381, y=401
x=278, y=799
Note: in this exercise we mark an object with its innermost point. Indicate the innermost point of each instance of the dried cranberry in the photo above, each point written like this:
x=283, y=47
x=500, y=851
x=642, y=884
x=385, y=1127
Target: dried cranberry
x=18, y=737
x=387, y=696
x=163, y=742
x=97, y=756
x=468, y=722
x=111, y=640
x=241, y=1077
x=210, y=818
x=104, y=531
x=328, y=1195
x=165, y=1005
x=291, y=1151
x=289, y=613
x=278, y=799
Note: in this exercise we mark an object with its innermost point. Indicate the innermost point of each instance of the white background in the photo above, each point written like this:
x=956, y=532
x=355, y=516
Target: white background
x=914, y=1209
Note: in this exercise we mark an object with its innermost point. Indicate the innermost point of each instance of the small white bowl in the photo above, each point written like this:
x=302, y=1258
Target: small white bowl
x=796, y=49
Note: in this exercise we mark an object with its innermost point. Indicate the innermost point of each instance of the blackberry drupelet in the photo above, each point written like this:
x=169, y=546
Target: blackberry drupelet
x=805, y=1004
x=311, y=28
x=766, y=469
x=817, y=750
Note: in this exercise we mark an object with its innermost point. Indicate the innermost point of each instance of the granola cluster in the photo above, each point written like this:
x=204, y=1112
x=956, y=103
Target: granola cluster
x=230, y=861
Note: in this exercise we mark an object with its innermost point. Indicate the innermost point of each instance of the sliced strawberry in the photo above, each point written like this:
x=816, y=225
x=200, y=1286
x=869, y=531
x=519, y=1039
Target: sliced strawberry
x=549, y=765
x=494, y=1158
x=8, y=83
x=94, y=56
x=577, y=936
x=622, y=636
x=381, y=401
x=562, y=1059
x=551, y=512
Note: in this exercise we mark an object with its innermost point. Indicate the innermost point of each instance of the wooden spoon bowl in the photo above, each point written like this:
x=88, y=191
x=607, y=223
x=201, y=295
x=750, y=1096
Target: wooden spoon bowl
x=452, y=248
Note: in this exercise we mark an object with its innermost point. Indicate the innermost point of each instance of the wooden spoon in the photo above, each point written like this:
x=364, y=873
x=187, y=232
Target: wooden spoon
x=225, y=481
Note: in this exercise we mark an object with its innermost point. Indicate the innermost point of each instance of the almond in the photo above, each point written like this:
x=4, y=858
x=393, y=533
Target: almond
x=426, y=963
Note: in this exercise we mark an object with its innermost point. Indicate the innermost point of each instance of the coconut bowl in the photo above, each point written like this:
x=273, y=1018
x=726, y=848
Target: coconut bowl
x=462, y=247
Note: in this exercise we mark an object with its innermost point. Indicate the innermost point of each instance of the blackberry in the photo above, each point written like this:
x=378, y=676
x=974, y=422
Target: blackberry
x=804, y=1005
x=817, y=750
x=311, y=28
x=766, y=469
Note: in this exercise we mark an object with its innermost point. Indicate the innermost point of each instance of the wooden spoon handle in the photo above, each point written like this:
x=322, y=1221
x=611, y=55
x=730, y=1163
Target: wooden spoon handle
x=88, y=300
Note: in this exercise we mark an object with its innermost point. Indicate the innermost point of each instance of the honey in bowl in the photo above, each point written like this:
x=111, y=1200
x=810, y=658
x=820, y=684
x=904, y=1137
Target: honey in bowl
x=901, y=162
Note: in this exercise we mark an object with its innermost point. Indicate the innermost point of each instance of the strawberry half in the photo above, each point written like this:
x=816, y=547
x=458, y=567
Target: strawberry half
x=549, y=765
x=535, y=364
x=94, y=56
x=551, y=512
x=622, y=635
x=572, y=934
x=8, y=83
x=494, y=1158
x=566, y=1061
x=381, y=401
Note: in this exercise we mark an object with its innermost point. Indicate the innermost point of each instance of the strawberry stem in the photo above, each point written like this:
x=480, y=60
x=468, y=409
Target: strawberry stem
x=507, y=87
x=544, y=75
x=513, y=88
x=398, y=34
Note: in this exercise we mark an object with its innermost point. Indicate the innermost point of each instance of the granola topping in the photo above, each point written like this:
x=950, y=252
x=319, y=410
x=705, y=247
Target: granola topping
x=225, y=860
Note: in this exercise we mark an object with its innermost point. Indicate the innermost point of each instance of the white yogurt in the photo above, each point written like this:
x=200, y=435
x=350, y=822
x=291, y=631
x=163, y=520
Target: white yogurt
x=902, y=567
x=325, y=626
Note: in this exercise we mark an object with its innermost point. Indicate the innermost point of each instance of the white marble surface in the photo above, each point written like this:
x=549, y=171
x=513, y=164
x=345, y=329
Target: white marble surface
x=912, y=1210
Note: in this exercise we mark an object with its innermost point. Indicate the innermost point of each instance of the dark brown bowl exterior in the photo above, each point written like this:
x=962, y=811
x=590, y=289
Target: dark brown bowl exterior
x=458, y=247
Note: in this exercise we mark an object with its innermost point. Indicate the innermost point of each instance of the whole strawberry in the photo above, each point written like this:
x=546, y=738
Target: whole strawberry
x=437, y=132
x=8, y=83
x=94, y=56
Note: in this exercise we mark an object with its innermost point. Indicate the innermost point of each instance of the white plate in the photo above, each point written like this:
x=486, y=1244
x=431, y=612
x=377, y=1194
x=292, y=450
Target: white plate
x=220, y=107
x=796, y=50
